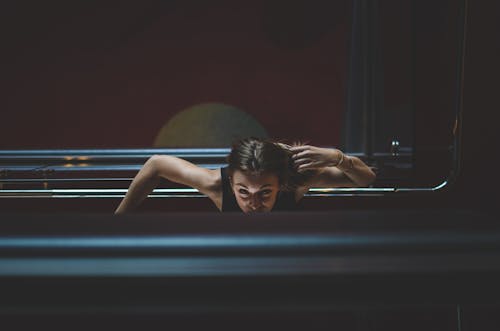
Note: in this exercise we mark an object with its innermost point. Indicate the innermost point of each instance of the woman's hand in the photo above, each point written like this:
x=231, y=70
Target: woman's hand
x=310, y=157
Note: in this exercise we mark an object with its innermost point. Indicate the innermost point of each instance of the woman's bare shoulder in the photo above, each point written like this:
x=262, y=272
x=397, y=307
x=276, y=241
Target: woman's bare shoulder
x=214, y=179
x=214, y=187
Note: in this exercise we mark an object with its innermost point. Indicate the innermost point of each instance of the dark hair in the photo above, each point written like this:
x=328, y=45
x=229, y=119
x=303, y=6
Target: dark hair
x=257, y=155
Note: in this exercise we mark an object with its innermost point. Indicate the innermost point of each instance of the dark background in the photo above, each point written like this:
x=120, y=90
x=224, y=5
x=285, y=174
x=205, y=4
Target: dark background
x=475, y=188
x=110, y=74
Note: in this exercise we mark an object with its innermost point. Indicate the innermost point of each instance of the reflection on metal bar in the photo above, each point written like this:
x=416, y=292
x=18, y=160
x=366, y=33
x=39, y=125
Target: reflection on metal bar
x=424, y=189
x=121, y=156
x=189, y=192
x=264, y=242
x=113, y=153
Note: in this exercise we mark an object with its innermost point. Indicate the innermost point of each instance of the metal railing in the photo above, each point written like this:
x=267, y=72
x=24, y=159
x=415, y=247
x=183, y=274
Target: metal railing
x=104, y=173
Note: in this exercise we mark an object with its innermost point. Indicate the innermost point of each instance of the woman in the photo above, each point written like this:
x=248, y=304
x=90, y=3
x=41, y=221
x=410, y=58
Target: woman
x=261, y=176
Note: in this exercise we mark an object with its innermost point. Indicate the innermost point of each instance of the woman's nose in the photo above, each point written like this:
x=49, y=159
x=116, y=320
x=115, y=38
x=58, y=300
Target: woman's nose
x=255, y=201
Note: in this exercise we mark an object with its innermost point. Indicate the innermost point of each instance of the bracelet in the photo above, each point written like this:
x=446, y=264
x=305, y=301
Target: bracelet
x=341, y=159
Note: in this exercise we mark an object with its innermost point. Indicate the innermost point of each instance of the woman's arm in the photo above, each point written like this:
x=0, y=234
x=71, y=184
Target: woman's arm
x=176, y=170
x=334, y=168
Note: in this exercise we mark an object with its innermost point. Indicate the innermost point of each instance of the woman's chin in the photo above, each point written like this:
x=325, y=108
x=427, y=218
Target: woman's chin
x=260, y=210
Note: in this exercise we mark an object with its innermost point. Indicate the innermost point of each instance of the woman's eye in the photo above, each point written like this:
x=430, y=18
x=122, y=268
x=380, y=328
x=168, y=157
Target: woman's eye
x=265, y=192
x=243, y=192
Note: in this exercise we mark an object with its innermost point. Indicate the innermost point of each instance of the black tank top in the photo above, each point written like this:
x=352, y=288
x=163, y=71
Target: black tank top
x=284, y=202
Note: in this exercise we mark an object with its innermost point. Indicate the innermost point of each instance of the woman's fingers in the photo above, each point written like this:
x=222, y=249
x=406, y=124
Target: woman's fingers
x=307, y=163
x=304, y=167
x=300, y=151
x=298, y=162
x=313, y=157
x=299, y=148
x=302, y=154
x=307, y=166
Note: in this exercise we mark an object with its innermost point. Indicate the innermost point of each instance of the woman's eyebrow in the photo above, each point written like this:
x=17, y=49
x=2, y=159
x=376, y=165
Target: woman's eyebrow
x=263, y=186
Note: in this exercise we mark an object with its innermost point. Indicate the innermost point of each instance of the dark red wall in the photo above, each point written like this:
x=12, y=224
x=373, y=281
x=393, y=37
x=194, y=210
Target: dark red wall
x=110, y=74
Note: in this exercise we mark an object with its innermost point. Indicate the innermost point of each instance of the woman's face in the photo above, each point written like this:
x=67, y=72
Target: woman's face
x=255, y=192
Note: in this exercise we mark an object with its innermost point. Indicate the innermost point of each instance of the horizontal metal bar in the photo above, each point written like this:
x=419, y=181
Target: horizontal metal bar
x=233, y=266
x=70, y=167
x=143, y=151
x=171, y=192
x=115, y=152
x=265, y=242
x=83, y=155
x=46, y=167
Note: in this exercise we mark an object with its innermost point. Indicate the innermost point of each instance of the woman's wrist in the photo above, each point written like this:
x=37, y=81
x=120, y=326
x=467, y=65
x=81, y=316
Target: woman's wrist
x=340, y=158
x=344, y=161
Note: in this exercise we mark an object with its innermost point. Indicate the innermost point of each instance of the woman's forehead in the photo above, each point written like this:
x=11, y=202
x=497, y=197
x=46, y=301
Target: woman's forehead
x=255, y=178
